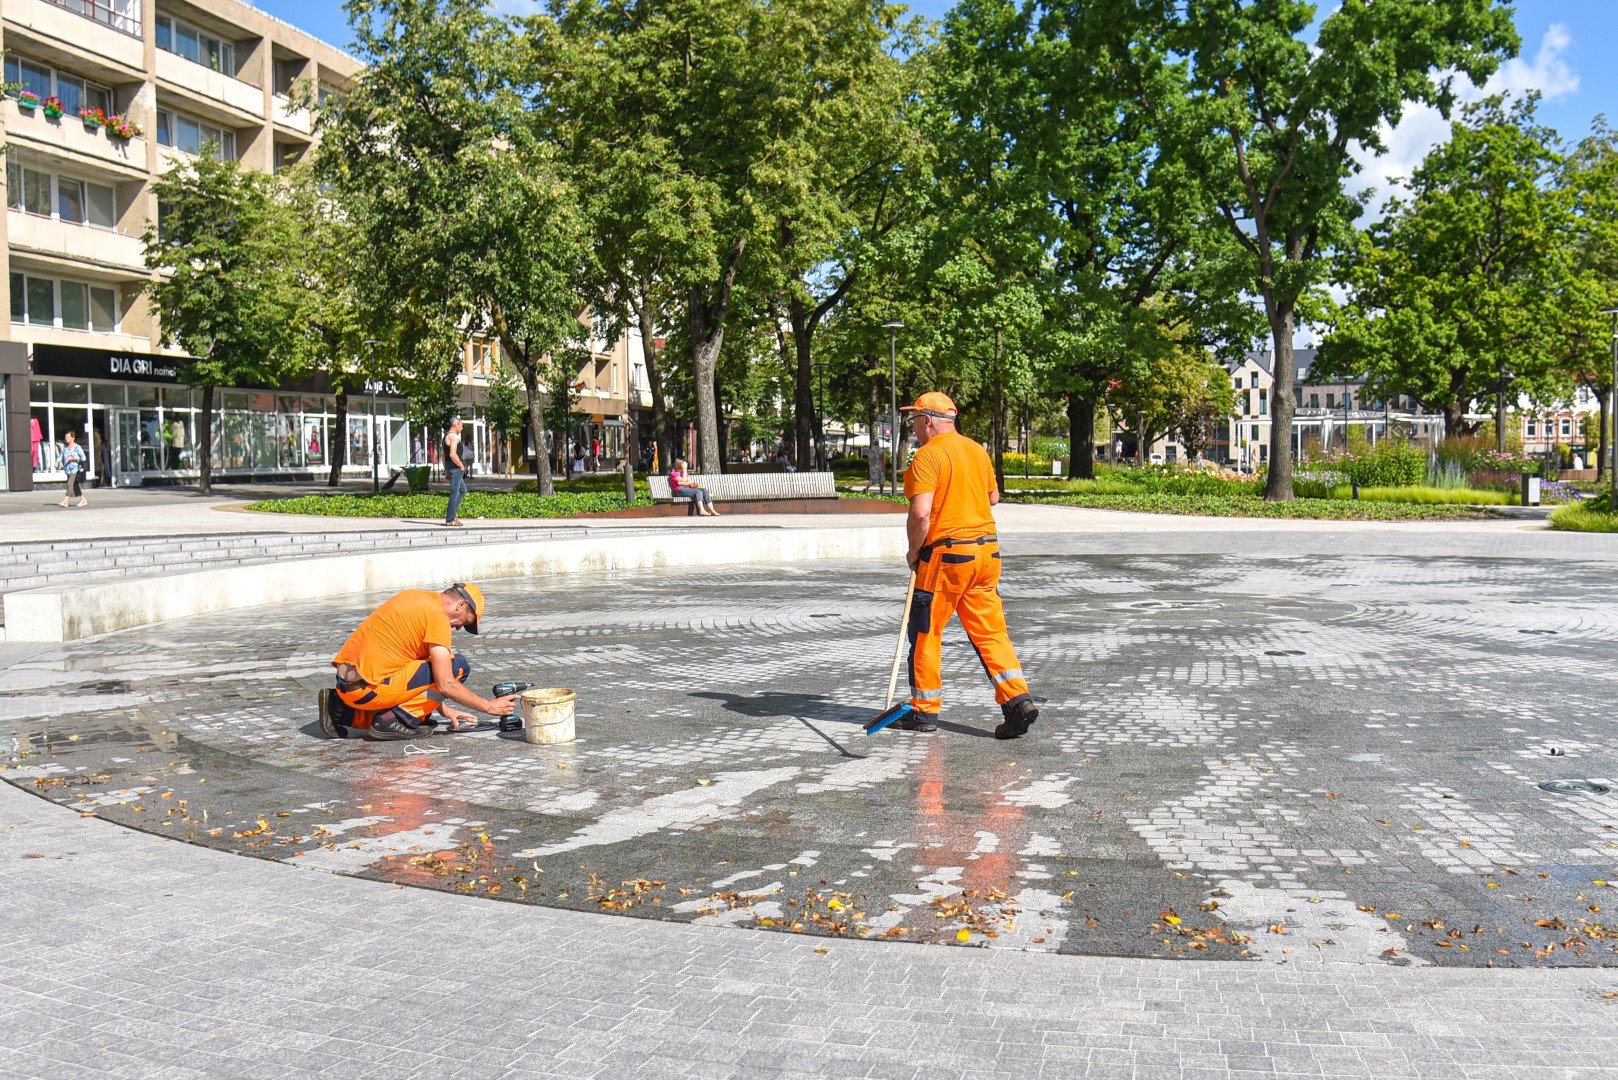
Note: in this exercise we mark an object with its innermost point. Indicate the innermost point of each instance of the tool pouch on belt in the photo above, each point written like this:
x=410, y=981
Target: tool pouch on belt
x=926, y=553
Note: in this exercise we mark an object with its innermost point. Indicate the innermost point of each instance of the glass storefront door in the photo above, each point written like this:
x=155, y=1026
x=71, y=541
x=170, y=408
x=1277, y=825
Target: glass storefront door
x=126, y=447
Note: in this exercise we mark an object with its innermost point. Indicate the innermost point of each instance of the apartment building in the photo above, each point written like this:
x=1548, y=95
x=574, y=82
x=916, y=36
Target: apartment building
x=1323, y=411
x=111, y=94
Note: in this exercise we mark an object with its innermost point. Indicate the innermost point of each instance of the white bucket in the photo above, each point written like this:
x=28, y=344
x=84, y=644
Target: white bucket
x=547, y=716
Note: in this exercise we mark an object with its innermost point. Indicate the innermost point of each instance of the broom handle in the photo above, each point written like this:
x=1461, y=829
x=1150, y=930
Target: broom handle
x=898, y=651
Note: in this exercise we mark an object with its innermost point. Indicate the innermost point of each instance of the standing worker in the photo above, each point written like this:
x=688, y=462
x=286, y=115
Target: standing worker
x=455, y=469
x=390, y=669
x=956, y=557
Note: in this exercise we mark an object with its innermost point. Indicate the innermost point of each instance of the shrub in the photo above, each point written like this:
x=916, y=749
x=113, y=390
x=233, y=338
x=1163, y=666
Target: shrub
x=1584, y=517
x=1474, y=454
x=1390, y=463
x=1049, y=447
x=1037, y=465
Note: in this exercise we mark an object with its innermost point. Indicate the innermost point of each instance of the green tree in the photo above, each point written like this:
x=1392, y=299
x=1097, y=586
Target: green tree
x=505, y=413
x=467, y=221
x=1280, y=118
x=1590, y=177
x=225, y=285
x=331, y=271
x=1458, y=294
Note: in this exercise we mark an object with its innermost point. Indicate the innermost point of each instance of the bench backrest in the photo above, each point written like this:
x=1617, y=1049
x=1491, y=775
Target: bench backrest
x=731, y=487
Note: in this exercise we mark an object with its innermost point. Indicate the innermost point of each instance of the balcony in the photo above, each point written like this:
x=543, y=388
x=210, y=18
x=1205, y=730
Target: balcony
x=87, y=26
x=290, y=116
x=30, y=234
x=68, y=137
x=211, y=87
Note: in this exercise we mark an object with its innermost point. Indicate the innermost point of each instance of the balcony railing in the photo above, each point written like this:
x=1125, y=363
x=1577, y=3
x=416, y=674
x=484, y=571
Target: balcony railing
x=105, y=12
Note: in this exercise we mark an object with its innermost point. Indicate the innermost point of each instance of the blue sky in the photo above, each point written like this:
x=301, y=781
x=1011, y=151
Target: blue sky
x=1567, y=54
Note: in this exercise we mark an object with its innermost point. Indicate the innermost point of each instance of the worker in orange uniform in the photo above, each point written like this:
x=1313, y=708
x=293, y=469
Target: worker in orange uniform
x=956, y=557
x=389, y=670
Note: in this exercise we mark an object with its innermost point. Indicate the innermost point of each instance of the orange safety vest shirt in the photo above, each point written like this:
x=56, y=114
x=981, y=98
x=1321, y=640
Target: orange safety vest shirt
x=390, y=649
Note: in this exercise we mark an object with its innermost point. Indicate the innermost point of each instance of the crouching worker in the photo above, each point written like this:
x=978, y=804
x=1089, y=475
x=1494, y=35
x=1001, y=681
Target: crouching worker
x=398, y=668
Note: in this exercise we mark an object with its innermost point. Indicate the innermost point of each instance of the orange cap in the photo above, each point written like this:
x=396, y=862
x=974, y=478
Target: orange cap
x=474, y=598
x=933, y=403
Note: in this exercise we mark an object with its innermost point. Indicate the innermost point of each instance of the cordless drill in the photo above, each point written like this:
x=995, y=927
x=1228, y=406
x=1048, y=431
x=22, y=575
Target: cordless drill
x=506, y=689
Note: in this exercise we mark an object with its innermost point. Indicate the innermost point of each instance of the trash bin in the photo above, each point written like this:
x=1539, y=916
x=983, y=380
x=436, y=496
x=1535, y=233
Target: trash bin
x=1530, y=489
x=416, y=476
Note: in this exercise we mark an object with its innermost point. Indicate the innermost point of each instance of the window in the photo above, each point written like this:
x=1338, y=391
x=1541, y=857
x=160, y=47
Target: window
x=181, y=132
x=1297, y=396
x=195, y=44
x=1348, y=402
x=71, y=305
x=1331, y=401
x=1252, y=378
x=119, y=14
x=1264, y=403
x=1314, y=401
x=75, y=93
x=81, y=202
x=1532, y=427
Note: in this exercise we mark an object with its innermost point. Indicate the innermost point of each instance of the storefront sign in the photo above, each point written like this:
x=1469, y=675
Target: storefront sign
x=66, y=361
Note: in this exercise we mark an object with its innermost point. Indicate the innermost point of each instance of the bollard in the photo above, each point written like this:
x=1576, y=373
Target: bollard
x=629, y=482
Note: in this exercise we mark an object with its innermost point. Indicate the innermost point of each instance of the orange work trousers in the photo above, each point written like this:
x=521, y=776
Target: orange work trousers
x=409, y=689
x=961, y=578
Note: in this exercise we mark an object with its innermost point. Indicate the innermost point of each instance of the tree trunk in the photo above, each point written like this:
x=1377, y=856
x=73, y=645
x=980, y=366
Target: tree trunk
x=707, y=320
x=1453, y=423
x=1500, y=420
x=1605, y=437
x=705, y=344
x=662, y=421
x=997, y=430
x=205, y=444
x=536, y=418
x=806, y=421
x=1278, y=485
x=1081, y=438
x=337, y=441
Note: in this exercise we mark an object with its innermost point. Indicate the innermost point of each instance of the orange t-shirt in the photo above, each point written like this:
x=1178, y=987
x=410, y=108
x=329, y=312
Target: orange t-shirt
x=960, y=476
x=402, y=630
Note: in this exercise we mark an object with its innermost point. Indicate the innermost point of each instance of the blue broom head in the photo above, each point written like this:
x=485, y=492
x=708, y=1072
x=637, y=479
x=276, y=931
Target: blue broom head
x=888, y=716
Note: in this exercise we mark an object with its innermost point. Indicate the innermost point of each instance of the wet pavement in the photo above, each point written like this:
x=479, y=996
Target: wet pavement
x=1240, y=757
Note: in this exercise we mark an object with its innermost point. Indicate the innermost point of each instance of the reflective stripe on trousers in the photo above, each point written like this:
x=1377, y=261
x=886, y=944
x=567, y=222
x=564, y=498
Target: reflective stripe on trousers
x=961, y=580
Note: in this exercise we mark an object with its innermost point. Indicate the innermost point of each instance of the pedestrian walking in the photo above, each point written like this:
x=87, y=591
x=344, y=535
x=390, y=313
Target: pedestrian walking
x=956, y=556
x=455, y=470
x=74, y=460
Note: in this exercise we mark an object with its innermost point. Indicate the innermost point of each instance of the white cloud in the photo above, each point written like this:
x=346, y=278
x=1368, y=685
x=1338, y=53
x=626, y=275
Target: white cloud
x=1421, y=128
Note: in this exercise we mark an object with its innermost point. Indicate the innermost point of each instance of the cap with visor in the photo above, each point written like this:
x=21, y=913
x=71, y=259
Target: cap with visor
x=474, y=600
x=933, y=403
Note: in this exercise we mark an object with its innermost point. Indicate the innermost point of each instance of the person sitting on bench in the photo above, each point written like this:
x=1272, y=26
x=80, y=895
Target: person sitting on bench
x=681, y=487
x=398, y=668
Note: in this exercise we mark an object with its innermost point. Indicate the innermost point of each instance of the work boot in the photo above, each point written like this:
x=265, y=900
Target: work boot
x=336, y=715
x=1020, y=715
x=914, y=722
x=394, y=725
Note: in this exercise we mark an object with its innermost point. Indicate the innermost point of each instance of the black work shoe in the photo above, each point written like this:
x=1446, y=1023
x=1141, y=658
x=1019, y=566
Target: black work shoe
x=334, y=715
x=1019, y=718
x=914, y=722
x=392, y=726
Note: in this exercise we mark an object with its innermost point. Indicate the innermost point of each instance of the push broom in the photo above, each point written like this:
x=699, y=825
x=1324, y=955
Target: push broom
x=892, y=712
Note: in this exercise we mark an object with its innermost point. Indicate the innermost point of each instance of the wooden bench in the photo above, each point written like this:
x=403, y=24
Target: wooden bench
x=756, y=487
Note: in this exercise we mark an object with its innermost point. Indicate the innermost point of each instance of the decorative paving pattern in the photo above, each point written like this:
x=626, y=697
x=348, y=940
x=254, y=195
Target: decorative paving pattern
x=1240, y=757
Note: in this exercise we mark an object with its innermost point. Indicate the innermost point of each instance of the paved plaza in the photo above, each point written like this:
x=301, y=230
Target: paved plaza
x=1281, y=815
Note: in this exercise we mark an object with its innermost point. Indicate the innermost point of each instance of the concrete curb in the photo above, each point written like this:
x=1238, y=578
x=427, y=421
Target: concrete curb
x=71, y=612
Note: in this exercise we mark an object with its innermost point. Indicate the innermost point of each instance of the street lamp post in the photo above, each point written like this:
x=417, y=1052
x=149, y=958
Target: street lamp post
x=1612, y=420
x=375, y=483
x=893, y=326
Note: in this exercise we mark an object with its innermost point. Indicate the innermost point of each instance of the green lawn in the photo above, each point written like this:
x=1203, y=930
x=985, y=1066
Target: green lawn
x=477, y=504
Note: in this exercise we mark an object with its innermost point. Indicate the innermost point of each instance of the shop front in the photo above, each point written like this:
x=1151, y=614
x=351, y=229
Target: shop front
x=139, y=424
